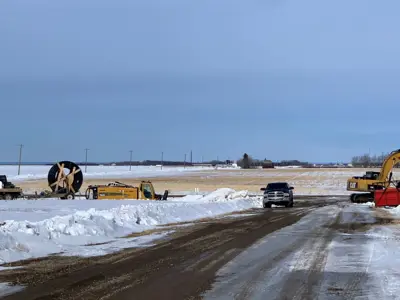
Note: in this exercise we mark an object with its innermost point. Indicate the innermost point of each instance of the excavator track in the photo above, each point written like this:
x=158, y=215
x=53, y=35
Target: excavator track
x=362, y=197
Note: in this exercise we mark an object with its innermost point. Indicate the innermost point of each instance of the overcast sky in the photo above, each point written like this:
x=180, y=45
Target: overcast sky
x=310, y=80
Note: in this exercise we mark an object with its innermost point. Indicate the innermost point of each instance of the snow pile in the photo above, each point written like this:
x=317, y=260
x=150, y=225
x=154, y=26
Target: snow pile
x=225, y=194
x=72, y=233
x=395, y=211
x=287, y=167
x=369, y=204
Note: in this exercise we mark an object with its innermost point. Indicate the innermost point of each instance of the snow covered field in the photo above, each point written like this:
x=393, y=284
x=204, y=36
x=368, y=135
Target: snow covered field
x=206, y=179
x=40, y=172
x=35, y=228
x=305, y=181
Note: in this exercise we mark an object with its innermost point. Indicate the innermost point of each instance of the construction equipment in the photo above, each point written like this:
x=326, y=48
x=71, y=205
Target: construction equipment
x=8, y=191
x=63, y=185
x=372, y=181
x=387, y=197
x=65, y=179
x=119, y=191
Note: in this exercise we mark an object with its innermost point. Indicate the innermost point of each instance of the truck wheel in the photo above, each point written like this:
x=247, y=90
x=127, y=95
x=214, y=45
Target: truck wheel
x=267, y=205
x=8, y=197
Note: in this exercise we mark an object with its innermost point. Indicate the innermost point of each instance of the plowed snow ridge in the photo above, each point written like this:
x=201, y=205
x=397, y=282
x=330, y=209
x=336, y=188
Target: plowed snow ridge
x=71, y=233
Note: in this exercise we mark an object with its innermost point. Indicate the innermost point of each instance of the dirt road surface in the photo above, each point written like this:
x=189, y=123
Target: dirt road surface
x=252, y=255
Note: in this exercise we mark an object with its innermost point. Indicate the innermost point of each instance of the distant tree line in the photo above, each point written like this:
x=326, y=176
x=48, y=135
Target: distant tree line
x=245, y=162
x=156, y=162
x=248, y=162
x=367, y=161
x=295, y=162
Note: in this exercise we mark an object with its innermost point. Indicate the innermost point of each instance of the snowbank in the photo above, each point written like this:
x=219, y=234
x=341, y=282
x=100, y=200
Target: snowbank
x=72, y=233
x=220, y=195
x=395, y=211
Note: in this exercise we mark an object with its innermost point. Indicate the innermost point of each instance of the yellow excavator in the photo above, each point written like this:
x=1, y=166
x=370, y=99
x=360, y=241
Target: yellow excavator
x=372, y=181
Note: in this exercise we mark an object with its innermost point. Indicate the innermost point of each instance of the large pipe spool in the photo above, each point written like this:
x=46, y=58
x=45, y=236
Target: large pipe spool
x=62, y=182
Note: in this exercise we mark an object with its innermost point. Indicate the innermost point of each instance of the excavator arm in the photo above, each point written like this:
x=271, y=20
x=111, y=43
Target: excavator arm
x=391, y=160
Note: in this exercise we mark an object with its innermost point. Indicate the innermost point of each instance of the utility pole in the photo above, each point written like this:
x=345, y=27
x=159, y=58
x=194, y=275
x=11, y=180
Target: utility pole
x=184, y=162
x=20, y=158
x=86, y=150
x=191, y=156
x=130, y=161
x=162, y=159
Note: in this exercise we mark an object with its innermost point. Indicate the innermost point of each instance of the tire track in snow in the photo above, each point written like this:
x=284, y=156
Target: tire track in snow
x=274, y=260
x=310, y=260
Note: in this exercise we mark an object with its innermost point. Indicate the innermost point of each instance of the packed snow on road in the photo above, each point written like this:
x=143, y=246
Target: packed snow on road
x=332, y=253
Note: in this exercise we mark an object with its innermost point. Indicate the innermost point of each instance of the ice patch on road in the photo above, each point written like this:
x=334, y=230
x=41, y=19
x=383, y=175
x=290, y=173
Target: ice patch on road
x=364, y=265
x=357, y=213
x=69, y=233
x=7, y=289
x=312, y=260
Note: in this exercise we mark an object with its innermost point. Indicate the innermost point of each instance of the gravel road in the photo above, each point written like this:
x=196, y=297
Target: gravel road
x=278, y=252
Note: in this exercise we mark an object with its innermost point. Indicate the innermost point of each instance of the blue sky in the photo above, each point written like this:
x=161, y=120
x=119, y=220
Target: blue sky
x=310, y=80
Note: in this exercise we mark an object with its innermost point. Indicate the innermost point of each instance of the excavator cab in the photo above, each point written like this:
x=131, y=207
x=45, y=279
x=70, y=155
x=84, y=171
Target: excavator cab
x=371, y=175
x=147, y=190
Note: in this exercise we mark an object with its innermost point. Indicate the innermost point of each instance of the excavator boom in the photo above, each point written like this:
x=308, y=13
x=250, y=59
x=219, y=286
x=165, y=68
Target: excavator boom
x=391, y=160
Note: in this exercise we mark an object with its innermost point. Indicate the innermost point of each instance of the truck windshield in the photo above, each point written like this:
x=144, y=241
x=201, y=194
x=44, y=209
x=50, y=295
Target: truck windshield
x=277, y=186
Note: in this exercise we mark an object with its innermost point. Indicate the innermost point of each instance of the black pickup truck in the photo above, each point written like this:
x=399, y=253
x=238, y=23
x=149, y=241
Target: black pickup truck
x=278, y=193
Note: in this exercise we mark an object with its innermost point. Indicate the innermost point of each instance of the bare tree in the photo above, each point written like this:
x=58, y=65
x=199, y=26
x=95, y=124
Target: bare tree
x=245, y=162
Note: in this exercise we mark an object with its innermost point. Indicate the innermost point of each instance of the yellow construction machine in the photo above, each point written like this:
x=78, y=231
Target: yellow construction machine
x=65, y=179
x=372, y=181
x=120, y=191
